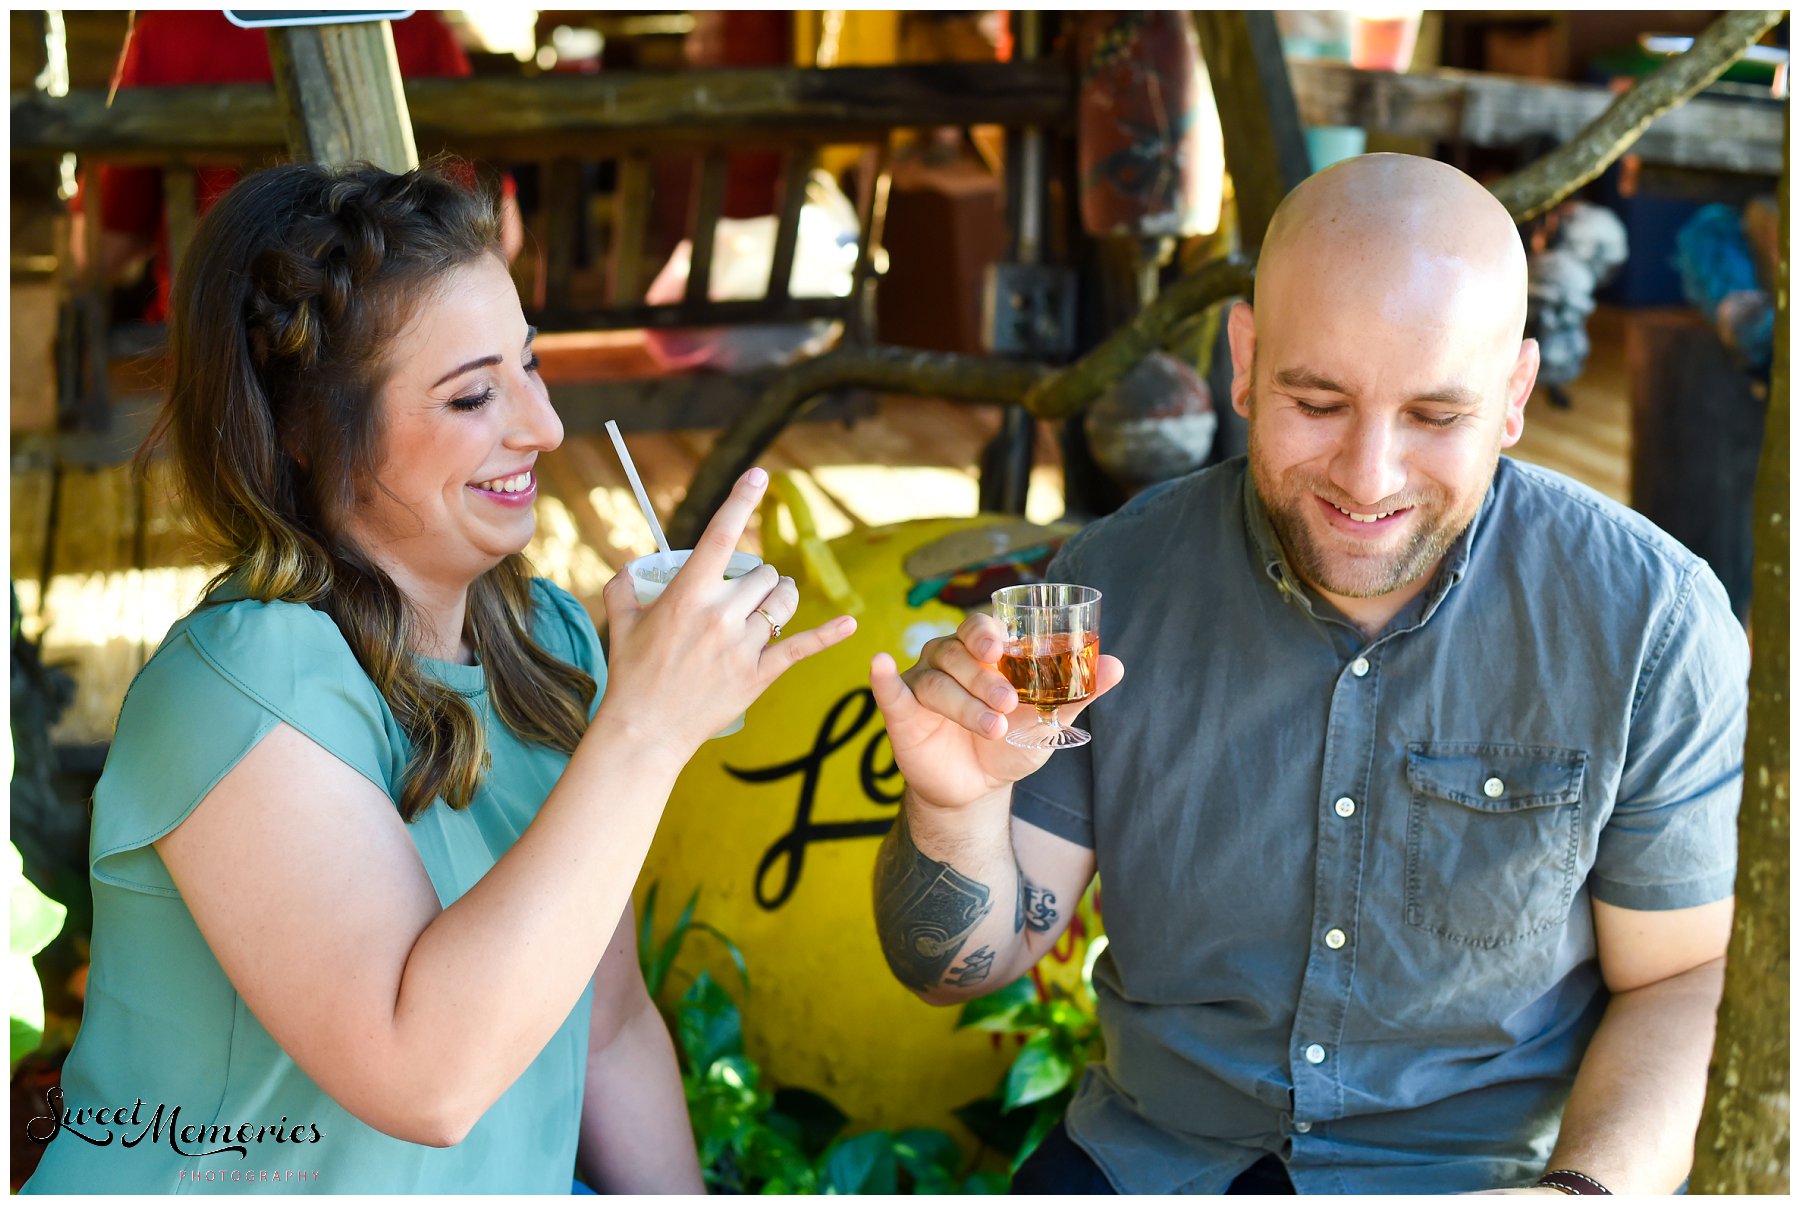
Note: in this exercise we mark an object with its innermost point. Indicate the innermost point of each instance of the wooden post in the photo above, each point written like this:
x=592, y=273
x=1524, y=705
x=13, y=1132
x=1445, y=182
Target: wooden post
x=1265, y=145
x=340, y=89
x=181, y=209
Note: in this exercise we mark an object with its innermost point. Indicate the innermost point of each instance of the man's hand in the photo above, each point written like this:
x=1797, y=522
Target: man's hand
x=947, y=716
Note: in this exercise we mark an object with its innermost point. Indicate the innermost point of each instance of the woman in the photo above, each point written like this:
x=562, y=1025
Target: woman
x=364, y=846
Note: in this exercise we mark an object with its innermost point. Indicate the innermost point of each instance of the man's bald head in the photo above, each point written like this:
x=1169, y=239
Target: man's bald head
x=1399, y=238
x=1382, y=368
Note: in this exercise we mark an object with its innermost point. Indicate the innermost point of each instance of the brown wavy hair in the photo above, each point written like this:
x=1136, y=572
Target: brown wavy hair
x=281, y=316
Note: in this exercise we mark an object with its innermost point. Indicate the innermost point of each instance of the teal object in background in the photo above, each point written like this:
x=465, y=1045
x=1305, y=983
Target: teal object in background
x=1326, y=145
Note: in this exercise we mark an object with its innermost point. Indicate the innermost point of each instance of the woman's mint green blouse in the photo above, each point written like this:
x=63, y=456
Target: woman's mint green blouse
x=163, y=1028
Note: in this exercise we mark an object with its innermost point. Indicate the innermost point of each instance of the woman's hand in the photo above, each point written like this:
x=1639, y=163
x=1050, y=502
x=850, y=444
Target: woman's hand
x=685, y=666
x=947, y=717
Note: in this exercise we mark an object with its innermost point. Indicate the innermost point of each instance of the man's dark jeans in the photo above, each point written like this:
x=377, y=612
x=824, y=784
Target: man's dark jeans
x=1060, y=1168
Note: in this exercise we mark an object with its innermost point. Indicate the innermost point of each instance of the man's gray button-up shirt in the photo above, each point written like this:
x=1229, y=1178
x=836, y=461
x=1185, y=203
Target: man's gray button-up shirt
x=1346, y=881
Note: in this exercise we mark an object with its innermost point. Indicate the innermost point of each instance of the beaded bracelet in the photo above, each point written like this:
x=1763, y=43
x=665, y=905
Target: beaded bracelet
x=1574, y=1183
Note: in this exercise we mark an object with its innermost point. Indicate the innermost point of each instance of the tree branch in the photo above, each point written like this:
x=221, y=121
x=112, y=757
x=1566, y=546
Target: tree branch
x=1536, y=188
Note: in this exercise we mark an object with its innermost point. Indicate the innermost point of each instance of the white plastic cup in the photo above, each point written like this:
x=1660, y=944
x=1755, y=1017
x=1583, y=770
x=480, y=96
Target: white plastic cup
x=651, y=575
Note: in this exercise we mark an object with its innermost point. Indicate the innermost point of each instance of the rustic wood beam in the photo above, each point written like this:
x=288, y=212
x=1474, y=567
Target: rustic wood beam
x=593, y=115
x=882, y=368
x=709, y=203
x=1265, y=144
x=1548, y=181
x=794, y=178
x=631, y=218
x=684, y=314
x=684, y=401
x=181, y=210
x=1496, y=110
x=562, y=219
x=340, y=91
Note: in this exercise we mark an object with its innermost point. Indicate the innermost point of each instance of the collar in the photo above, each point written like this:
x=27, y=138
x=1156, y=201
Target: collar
x=1265, y=546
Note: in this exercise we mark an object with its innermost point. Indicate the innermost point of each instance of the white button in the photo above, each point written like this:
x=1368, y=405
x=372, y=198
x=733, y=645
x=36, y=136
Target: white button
x=1345, y=807
x=1493, y=788
x=1360, y=666
x=1303, y=1127
x=1315, y=1053
x=1334, y=938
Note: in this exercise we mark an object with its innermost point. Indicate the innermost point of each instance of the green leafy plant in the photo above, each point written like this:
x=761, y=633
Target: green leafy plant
x=755, y=1137
x=35, y=919
x=1061, y=1036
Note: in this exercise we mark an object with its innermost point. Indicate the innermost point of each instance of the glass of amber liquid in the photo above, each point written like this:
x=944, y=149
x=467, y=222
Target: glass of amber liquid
x=1051, y=655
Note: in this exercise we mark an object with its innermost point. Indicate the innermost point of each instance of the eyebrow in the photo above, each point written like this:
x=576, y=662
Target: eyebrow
x=531, y=333
x=1443, y=395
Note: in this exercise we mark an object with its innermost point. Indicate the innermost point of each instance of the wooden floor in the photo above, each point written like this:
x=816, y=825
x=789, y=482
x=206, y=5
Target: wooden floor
x=117, y=583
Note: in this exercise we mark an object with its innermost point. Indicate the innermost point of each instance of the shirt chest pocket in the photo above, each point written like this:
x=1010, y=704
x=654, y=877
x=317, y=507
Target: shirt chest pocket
x=1493, y=837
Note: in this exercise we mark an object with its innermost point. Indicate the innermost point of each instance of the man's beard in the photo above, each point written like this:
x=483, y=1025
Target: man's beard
x=1336, y=571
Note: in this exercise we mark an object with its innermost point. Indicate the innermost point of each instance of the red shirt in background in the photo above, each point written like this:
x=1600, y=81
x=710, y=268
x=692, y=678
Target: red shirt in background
x=174, y=48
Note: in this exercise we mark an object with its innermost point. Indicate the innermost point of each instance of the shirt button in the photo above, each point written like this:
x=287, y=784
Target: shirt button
x=1360, y=666
x=1303, y=1127
x=1345, y=807
x=1334, y=938
x=1493, y=788
x=1315, y=1054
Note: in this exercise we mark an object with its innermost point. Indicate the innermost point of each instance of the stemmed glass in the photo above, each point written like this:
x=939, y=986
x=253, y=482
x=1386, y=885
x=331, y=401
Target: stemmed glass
x=1051, y=656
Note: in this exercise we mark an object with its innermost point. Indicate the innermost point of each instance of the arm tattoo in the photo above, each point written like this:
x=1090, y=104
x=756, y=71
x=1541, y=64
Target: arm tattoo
x=925, y=911
x=974, y=969
x=1037, y=907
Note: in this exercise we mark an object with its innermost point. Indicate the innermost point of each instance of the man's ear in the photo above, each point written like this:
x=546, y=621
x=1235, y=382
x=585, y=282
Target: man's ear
x=1518, y=391
x=1240, y=330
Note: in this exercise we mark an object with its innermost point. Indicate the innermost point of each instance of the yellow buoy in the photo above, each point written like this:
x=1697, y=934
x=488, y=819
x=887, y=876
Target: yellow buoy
x=778, y=827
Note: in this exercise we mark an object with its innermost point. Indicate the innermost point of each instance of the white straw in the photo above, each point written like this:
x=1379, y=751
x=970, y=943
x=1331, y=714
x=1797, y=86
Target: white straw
x=662, y=541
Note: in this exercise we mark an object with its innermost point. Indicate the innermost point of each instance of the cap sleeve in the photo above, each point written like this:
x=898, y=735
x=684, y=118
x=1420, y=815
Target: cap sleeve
x=563, y=628
x=221, y=681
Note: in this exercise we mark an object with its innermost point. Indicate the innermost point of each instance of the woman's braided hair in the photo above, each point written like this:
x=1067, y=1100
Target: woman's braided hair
x=281, y=316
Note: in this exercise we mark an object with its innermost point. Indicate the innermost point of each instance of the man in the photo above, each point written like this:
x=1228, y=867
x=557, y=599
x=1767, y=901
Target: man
x=1416, y=815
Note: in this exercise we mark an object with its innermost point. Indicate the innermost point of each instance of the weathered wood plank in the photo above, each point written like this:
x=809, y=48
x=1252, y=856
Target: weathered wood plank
x=672, y=402
x=152, y=340
x=787, y=229
x=1265, y=146
x=562, y=214
x=341, y=94
x=526, y=117
x=1736, y=135
x=709, y=203
x=181, y=210
x=631, y=216
x=874, y=182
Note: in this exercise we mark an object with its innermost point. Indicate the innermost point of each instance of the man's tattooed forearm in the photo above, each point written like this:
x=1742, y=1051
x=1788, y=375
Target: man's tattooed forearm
x=1036, y=907
x=974, y=969
x=925, y=911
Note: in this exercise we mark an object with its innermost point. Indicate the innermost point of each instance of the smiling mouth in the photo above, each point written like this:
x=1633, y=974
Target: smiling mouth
x=516, y=484
x=1364, y=517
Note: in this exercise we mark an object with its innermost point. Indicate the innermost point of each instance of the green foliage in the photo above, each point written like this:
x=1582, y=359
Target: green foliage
x=1061, y=1037
x=35, y=920
x=753, y=1137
